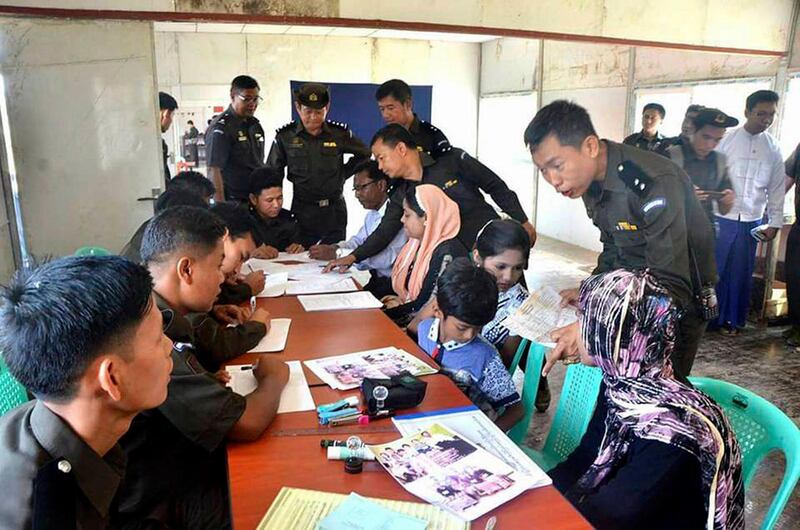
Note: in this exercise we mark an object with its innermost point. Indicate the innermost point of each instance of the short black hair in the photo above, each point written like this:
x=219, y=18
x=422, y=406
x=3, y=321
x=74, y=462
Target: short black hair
x=166, y=102
x=194, y=181
x=179, y=197
x=396, y=88
x=177, y=228
x=393, y=134
x=411, y=198
x=372, y=170
x=244, y=82
x=467, y=293
x=236, y=218
x=265, y=177
x=761, y=96
x=568, y=121
x=656, y=107
x=57, y=317
x=190, y=122
x=499, y=235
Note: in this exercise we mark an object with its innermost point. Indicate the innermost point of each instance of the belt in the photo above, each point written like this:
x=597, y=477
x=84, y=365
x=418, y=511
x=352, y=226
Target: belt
x=320, y=203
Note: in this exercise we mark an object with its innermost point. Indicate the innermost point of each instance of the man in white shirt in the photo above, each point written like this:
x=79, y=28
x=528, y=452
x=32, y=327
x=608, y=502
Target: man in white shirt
x=757, y=173
x=371, y=186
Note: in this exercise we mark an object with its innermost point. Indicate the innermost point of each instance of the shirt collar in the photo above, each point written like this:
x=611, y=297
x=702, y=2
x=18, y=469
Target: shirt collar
x=426, y=159
x=176, y=326
x=382, y=210
x=450, y=345
x=98, y=477
x=612, y=181
x=414, y=127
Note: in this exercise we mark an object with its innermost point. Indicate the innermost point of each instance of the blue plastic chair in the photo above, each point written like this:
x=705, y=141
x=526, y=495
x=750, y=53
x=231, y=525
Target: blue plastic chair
x=760, y=428
x=12, y=393
x=530, y=386
x=92, y=251
x=575, y=407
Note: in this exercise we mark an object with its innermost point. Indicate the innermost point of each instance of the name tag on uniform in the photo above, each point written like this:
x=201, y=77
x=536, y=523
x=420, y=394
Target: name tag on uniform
x=626, y=226
x=328, y=144
x=242, y=136
x=450, y=183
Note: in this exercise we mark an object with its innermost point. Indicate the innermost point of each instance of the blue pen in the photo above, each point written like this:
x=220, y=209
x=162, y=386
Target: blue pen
x=351, y=401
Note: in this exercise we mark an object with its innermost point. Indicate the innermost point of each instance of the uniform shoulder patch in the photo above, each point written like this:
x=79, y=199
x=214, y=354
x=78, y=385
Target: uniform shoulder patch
x=285, y=127
x=634, y=178
x=337, y=124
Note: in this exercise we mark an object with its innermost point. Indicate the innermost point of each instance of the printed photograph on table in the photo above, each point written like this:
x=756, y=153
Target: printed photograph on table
x=451, y=472
x=344, y=372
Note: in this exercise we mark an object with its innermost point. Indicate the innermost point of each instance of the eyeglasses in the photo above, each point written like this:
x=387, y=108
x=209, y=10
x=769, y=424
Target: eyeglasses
x=357, y=188
x=250, y=99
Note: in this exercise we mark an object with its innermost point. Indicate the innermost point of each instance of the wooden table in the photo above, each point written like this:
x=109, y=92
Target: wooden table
x=288, y=454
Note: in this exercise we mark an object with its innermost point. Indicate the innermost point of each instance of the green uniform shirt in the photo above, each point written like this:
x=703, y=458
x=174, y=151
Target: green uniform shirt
x=641, y=208
x=51, y=477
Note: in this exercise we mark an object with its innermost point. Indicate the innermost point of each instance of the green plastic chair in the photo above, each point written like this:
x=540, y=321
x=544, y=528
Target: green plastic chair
x=575, y=407
x=530, y=386
x=92, y=251
x=760, y=428
x=12, y=393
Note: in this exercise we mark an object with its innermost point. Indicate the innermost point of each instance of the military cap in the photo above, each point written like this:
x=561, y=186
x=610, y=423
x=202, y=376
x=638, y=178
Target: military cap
x=314, y=95
x=715, y=118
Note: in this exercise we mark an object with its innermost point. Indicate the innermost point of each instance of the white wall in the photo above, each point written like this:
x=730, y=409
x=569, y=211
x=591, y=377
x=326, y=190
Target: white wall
x=197, y=69
x=83, y=118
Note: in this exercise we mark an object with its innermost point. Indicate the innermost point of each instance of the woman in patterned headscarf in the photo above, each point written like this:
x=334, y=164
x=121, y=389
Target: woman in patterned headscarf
x=657, y=454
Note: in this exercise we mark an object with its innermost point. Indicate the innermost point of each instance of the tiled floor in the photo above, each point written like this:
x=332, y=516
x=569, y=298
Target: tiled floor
x=757, y=360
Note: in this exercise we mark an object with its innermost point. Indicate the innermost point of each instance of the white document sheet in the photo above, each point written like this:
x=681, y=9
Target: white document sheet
x=312, y=286
x=335, y=302
x=275, y=339
x=472, y=424
x=302, y=256
x=274, y=285
x=296, y=395
x=540, y=314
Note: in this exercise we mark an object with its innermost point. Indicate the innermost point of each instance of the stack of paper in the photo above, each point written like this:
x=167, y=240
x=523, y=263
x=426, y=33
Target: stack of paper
x=301, y=509
x=448, y=471
x=274, y=285
x=539, y=315
x=275, y=339
x=344, y=372
x=336, y=302
x=321, y=285
x=295, y=396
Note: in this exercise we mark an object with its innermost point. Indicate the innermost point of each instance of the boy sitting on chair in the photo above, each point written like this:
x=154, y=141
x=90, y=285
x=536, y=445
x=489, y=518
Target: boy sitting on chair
x=466, y=300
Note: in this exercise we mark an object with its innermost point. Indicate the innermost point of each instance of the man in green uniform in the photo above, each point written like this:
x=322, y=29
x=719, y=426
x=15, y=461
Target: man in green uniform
x=313, y=150
x=84, y=336
x=642, y=203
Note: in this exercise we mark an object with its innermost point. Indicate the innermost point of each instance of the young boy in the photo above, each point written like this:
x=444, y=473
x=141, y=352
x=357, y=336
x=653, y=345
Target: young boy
x=84, y=336
x=214, y=340
x=466, y=300
x=276, y=228
x=176, y=452
x=239, y=246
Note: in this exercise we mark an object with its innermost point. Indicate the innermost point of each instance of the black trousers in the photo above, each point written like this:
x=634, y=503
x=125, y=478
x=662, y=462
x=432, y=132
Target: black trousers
x=324, y=224
x=691, y=329
x=791, y=271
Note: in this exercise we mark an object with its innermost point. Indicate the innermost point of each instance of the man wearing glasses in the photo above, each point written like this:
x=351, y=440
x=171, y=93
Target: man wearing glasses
x=312, y=150
x=371, y=187
x=235, y=142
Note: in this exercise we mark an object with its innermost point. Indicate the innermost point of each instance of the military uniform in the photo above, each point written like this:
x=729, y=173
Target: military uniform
x=278, y=232
x=236, y=146
x=643, y=208
x=643, y=142
x=176, y=452
x=52, y=478
x=463, y=179
x=428, y=138
x=315, y=166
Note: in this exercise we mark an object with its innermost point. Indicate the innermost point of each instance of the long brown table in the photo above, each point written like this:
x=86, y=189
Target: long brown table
x=289, y=454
